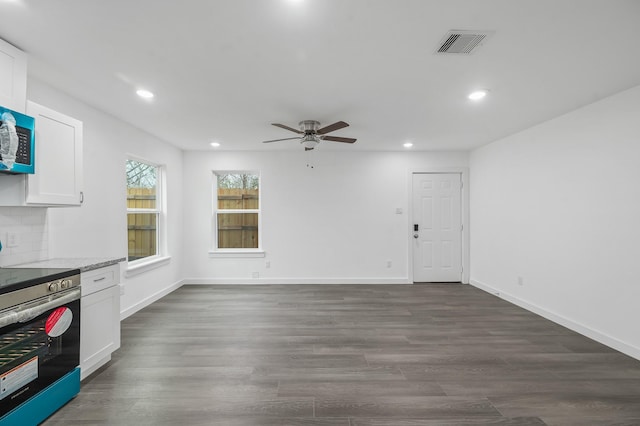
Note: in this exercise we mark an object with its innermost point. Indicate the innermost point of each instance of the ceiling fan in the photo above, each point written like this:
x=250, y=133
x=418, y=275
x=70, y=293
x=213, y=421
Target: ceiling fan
x=311, y=134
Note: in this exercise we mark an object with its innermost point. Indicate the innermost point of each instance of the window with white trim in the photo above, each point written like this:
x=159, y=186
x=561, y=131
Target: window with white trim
x=236, y=215
x=144, y=211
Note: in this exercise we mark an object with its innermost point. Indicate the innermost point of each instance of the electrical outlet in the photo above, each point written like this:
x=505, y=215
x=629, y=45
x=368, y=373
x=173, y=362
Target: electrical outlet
x=267, y=264
x=13, y=239
x=389, y=263
x=255, y=275
x=520, y=281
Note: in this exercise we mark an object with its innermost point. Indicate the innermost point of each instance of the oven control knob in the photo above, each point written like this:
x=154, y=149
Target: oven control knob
x=65, y=284
x=53, y=286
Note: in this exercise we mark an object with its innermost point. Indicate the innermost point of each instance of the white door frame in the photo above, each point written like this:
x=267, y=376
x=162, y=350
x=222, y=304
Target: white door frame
x=464, y=206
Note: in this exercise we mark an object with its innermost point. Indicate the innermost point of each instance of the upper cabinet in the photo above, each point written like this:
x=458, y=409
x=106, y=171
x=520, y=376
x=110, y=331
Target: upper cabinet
x=58, y=177
x=13, y=77
x=57, y=180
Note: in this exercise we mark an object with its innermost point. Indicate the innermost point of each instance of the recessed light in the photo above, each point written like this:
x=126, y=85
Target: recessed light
x=407, y=145
x=215, y=144
x=477, y=95
x=143, y=93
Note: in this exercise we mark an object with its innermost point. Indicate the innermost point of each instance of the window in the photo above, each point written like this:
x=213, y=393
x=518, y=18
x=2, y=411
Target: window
x=237, y=212
x=144, y=210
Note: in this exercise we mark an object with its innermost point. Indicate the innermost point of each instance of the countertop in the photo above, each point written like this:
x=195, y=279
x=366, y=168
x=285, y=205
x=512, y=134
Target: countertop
x=83, y=263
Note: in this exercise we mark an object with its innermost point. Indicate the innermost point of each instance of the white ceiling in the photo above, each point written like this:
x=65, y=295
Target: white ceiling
x=224, y=70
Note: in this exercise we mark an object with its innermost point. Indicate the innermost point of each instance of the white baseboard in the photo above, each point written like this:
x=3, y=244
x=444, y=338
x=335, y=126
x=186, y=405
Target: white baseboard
x=149, y=300
x=598, y=336
x=257, y=281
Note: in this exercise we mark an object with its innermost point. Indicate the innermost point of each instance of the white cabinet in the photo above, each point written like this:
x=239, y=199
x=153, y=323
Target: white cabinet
x=99, y=318
x=58, y=176
x=13, y=77
x=57, y=180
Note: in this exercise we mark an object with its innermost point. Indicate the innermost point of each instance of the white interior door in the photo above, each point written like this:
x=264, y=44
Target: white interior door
x=437, y=227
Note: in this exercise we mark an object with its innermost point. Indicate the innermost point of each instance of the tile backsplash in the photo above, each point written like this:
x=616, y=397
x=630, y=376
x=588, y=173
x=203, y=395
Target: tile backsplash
x=24, y=235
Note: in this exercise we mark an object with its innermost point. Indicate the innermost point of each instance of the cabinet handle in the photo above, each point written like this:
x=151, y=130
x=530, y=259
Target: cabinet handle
x=99, y=279
x=81, y=197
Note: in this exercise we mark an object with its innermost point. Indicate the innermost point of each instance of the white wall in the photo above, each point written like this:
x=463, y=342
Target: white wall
x=98, y=228
x=559, y=206
x=335, y=222
x=29, y=225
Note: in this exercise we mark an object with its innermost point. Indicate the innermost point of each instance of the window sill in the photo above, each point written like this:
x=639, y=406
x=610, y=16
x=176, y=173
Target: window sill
x=236, y=254
x=146, y=265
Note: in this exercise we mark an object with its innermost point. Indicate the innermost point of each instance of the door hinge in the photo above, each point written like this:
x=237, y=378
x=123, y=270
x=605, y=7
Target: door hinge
x=461, y=227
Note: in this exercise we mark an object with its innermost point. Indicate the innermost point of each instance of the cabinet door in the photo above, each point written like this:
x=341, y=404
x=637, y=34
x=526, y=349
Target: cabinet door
x=99, y=328
x=13, y=77
x=58, y=168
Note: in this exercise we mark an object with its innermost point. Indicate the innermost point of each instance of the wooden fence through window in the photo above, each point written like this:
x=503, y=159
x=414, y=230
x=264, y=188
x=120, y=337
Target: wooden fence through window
x=237, y=230
x=141, y=227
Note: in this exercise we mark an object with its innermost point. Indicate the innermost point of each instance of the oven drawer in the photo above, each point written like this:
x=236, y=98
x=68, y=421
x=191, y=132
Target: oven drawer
x=99, y=279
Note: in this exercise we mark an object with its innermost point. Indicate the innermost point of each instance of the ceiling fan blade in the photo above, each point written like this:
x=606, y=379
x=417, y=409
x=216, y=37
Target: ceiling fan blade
x=332, y=127
x=338, y=139
x=282, y=126
x=278, y=140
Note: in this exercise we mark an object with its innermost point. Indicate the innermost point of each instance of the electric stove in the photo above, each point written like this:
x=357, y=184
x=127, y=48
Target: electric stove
x=39, y=342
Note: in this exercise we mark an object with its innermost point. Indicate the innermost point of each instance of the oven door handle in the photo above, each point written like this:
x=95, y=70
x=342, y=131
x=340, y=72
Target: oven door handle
x=28, y=314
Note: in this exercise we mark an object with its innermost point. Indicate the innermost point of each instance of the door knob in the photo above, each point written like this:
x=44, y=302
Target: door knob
x=415, y=235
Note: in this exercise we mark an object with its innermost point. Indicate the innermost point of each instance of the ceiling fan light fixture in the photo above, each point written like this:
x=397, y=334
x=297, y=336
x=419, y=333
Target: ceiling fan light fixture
x=311, y=134
x=309, y=141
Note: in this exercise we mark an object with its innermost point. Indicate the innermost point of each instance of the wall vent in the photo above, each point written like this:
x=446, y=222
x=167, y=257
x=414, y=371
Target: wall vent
x=462, y=42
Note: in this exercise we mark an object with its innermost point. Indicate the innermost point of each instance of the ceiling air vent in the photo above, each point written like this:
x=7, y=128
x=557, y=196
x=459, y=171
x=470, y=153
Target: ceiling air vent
x=462, y=42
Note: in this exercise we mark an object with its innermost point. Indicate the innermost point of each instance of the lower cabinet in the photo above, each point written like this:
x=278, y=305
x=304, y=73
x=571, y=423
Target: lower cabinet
x=99, y=318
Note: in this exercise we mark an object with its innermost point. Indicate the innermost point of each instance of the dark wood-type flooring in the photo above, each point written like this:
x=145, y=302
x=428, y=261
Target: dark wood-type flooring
x=353, y=355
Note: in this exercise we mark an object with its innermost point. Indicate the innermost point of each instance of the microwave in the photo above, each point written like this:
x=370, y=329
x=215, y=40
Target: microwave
x=17, y=142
